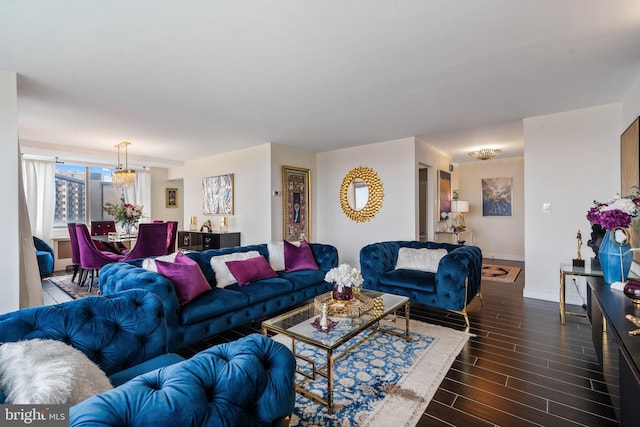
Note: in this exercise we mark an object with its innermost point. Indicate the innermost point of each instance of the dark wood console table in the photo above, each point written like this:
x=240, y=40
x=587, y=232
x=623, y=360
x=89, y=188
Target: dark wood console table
x=618, y=352
x=199, y=240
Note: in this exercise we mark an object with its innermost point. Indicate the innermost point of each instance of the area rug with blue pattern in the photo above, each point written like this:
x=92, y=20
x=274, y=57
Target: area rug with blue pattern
x=384, y=381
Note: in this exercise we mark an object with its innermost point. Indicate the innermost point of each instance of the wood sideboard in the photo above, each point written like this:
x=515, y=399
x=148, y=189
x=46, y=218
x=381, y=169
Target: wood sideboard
x=618, y=352
x=199, y=240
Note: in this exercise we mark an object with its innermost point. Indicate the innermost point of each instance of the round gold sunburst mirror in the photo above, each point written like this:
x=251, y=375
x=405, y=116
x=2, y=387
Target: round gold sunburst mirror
x=361, y=194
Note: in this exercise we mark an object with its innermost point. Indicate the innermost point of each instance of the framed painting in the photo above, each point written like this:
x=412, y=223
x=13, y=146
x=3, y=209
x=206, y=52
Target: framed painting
x=497, y=196
x=444, y=192
x=296, y=209
x=630, y=174
x=217, y=195
x=171, y=197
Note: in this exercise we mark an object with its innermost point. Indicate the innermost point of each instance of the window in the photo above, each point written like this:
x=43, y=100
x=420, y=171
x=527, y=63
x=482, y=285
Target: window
x=81, y=192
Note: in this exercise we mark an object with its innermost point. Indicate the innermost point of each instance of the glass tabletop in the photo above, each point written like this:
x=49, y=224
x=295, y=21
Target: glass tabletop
x=570, y=270
x=298, y=323
x=116, y=237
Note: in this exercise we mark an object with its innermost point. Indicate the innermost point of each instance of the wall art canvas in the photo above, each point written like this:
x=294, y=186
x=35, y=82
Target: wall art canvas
x=444, y=191
x=171, y=197
x=497, y=196
x=296, y=210
x=217, y=195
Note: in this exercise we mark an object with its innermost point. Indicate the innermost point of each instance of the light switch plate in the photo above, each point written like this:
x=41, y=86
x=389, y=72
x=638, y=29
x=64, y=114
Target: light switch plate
x=546, y=207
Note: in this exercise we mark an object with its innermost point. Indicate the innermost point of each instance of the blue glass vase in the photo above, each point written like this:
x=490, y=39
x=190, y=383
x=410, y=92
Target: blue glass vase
x=615, y=259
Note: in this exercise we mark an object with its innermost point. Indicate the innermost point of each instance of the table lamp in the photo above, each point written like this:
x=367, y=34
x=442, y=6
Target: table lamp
x=458, y=207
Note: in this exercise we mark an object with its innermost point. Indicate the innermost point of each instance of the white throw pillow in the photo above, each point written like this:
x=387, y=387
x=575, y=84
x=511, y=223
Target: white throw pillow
x=276, y=254
x=223, y=275
x=150, y=263
x=48, y=372
x=420, y=259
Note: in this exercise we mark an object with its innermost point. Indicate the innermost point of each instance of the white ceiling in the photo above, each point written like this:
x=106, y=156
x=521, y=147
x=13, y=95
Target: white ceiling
x=186, y=79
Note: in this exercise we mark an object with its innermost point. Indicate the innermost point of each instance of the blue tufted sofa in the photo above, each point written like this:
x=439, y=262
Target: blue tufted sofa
x=452, y=287
x=222, y=308
x=245, y=382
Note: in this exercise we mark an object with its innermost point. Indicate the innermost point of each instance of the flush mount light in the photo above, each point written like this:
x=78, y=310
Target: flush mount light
x=485, y=153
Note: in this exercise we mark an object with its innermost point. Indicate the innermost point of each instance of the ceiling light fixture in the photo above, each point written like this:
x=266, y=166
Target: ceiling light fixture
x=485, y=153
x=123, y=177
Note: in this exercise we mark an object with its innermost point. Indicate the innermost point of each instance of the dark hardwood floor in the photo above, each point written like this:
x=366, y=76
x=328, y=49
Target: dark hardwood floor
x=522, y=367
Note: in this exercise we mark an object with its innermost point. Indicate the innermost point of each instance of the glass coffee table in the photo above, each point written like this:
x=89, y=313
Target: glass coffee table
x=298, y=325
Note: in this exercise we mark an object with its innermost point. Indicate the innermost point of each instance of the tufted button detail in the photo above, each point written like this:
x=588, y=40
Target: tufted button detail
x=153, y=385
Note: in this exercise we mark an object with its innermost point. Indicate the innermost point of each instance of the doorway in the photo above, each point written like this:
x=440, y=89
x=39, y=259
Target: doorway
x=423, y=203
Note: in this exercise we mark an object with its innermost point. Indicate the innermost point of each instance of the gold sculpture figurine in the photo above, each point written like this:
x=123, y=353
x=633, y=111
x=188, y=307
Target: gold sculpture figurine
x=578, y=261
x=206, y=226
x=579, y=237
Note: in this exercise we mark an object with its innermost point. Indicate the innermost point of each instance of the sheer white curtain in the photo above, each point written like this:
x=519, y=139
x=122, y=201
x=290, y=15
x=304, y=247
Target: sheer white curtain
x=140, y=193
x=39, y=178
x=30, y=284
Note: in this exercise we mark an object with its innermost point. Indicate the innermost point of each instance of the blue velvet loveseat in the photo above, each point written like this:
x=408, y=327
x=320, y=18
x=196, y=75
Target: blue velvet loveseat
x=244, y=382
x=220, y=309
x=452, y=286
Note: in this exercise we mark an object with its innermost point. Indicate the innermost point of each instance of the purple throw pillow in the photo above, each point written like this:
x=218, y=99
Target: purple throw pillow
x=250, y=270
x=186, y=276
x=298, y=258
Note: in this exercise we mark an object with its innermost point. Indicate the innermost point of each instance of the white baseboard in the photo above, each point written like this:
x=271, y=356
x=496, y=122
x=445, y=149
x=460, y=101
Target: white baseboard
x=506, y=257
x=546, y=296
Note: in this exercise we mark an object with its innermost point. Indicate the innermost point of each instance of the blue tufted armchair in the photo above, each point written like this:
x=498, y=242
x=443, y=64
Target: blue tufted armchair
x=124, y=333
x=455, y=283
x=45, y=256
x=248, y=382
x=245, y=382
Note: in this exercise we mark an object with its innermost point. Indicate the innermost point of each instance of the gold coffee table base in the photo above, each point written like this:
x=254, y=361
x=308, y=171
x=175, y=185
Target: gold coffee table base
x=296, y=325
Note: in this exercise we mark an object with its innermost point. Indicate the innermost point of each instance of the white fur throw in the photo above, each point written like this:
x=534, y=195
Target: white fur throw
x=219, y=266
x=420, y=259
x=48, y=372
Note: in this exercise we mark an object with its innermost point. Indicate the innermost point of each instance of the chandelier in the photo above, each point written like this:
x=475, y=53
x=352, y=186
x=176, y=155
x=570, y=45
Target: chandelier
x=123, y=177
x=485, y=153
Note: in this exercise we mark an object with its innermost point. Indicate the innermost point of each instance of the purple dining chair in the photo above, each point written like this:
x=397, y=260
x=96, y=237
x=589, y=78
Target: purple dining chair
x=103, y=228
x=151, y=241
x=75, y=251
x=92, y=259
x=172, y=233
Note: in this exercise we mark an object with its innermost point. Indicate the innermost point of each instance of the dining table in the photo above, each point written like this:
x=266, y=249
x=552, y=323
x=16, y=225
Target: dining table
x=111, y=241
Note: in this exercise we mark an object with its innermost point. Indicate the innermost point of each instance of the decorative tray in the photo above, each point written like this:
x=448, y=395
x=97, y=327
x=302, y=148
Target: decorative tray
x=355, y=307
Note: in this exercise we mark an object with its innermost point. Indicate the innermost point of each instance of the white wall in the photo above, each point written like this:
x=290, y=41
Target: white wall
x=159, y=210
x=571, y=159
x=631, y=105
x=499, y=237
x=252, y=190
x=288, y=156
x=394, y=163
x=434, y=159
x=9, y=226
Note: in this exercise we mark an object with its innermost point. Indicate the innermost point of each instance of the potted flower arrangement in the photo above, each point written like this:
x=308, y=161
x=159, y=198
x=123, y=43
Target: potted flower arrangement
x=615, y=216
x=344, y=279
x=125, y=214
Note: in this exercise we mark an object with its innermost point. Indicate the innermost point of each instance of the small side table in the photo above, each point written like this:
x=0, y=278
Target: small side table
x=454, y=237
x=570, y=270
